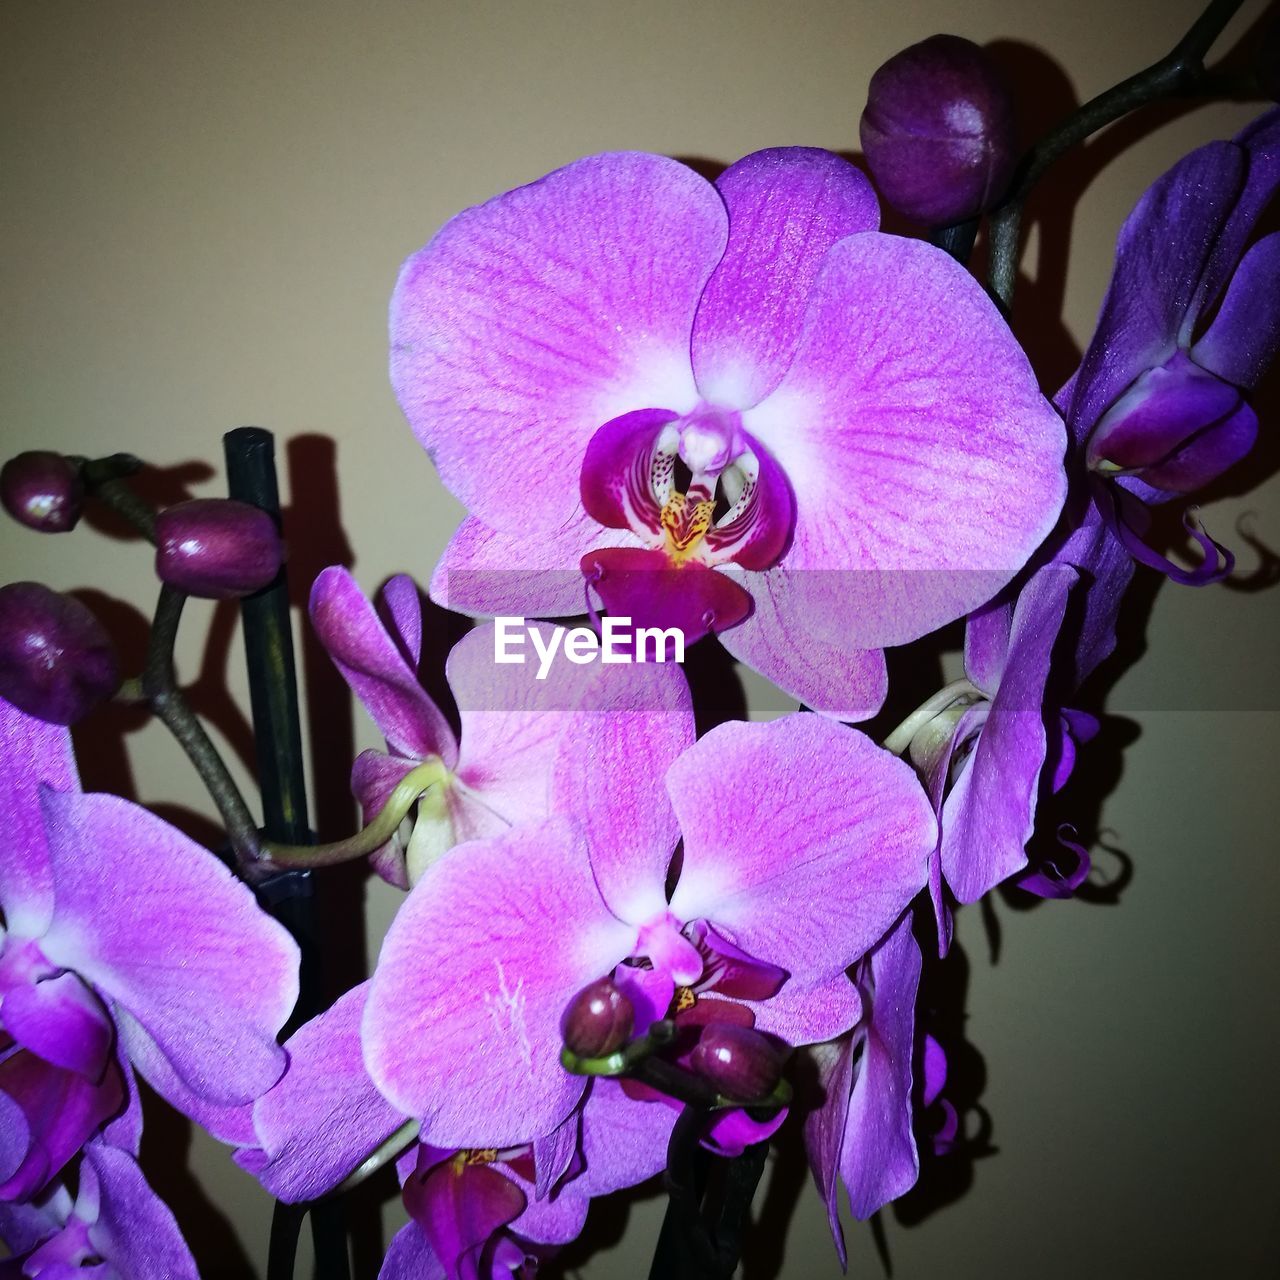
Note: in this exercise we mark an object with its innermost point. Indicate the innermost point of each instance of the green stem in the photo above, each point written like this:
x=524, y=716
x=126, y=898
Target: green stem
x=1179, y=73
x=430, y=773
x=900, y=738
x=386, y=1151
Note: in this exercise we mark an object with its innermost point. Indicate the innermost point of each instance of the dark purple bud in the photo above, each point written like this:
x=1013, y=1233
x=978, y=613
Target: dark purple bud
x=42, y=490
x=56, y=660
x=598, y=1020
x=217, y=548
x=739, y=1061
x=937, y=131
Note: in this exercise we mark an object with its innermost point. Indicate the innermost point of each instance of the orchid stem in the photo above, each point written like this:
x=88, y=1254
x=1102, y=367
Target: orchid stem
x=900, y=738
x=104, y=480
x=430, y=773
x=1180, y=73
x=382, y=1154
x=159, y=684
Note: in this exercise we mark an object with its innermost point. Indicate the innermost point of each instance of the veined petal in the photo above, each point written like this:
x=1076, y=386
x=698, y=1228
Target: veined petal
x=809, y=1014
x=530, y=320
x=61, y=1021
x=1243, y=338
x=399, y=595
x=410, y=1257
x=878, y=1159
x=376, y=669
x=462, y=1027
x=836, y=843
x=776, y=640
x=624, y=1141
x=161, y=927
x=926, y=465
x=488, y=573
x=31, y=752
x=824, y=1126
x=787, y=207
x=618, y=470
x=990, y=814
x=325, y=1115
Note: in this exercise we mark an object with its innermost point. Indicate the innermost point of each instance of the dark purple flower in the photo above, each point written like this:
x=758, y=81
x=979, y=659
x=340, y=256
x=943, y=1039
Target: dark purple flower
x=217, y=548
x=741, y=1062
x=57, y=661
x=42, y=490
x=937, y=131
x=598, y=1020
x=1189, y=324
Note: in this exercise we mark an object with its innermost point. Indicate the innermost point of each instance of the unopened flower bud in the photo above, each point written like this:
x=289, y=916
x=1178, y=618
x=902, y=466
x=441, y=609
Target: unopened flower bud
x=217, y=548
x=56, y=660
x=937, y=131
x=598, y=1020
x=739, y=1061
x=42, y=490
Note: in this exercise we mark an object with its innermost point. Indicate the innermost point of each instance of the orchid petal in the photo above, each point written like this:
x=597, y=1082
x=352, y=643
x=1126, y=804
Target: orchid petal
x=325, y=1115
x=377, y=671
x=1245, y=333
x=808, y=1014
x=907, y=418
x=374, y=776
x=824, y=1127
x=31, y=753
x=60, y=1020
x=624, y=1142
x=787, y=207
x=530, y=320
x=990, y=814
x=162, y=928
x=462, y=1024
x=399, y=596
x=486, y=572
x=730, y=1133
x=830, y=677
x=410, y=1257
x=840, y=832
x=616, y=480
x=878, y=1159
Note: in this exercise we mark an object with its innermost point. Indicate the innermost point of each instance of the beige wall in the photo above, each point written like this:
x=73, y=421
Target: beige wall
x=205, y=207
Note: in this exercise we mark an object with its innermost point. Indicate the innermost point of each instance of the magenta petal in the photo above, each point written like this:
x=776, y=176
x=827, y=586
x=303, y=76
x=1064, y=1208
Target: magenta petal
x=462, y=1028
x=986, y=644
x=410, y=1257
x=803, y=840
x=134, y=1231
x=824, y=1126
x=31, y=752
x=610, y=765
x=377, y=671
x=833, y=678
x=488, y=573
x=1245, y=333
x=732, y=1132
x=651, y=590
x=926, y=465
x=62, y=1021
x=616, y=471
x=787, y=207
x=878, y=1159
x=990, y=813
x=624, y=1141
x=160, y=926
x=374, y=776
x=530, y=320
x=809, y=1014
x=325, y=1115
x=399, y=597
x=554, y=1219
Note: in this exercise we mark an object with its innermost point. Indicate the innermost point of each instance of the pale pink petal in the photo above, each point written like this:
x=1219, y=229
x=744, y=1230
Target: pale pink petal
x=462, y=1028
x=803, y=840
x=926, y=465
x=532, y=319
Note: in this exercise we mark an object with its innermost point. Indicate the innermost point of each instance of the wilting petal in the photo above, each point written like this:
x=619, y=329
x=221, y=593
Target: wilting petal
x=31, y=752
x=462, y=1025
x=62, y=1021
x=830, y=677
x=375, y=668
x=325, y=1115
x=530, y=320
x=878, y=1160
x=374, y=776
x=806, y=813
x=1243, y=338
x=134, y=1231
x=624, y=1141
x=609, y=773
x=1160, y=257
x=160, y=926
x=787, y=207
x=990, y=814
x=909, y=416
x=488, y=573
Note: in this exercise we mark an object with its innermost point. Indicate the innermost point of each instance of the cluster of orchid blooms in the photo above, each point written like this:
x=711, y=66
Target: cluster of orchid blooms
x=732, y=408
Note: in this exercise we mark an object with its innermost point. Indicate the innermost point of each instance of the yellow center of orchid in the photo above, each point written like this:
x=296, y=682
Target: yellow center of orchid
x=685, y=523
